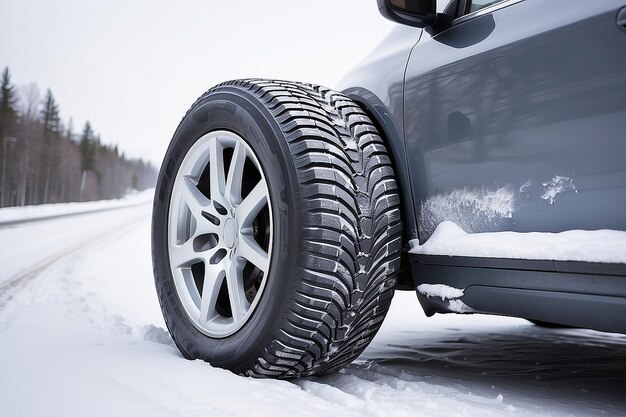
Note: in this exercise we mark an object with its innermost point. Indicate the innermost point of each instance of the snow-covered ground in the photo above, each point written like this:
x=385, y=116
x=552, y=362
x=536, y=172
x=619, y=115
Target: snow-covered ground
x=81, y=334
x=44, y=211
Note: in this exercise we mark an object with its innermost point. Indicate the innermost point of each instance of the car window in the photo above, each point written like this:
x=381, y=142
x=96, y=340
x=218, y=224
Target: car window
x=441, y=5
x=475, y=5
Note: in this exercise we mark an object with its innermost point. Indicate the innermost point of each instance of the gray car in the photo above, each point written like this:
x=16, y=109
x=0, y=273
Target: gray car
x=477, y=157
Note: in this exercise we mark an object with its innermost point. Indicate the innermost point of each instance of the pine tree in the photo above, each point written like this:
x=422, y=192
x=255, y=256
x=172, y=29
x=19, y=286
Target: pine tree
x=7, y=101
x=7, y=119
x=88, y=155
x=87, y=148
x=50, y=115
x=50, y=121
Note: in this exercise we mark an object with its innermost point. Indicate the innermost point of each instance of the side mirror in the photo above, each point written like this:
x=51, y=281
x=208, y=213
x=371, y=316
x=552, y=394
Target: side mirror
x=417, y=13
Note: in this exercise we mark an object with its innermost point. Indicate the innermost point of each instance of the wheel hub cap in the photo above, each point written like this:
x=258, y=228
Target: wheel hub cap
x=230, y=233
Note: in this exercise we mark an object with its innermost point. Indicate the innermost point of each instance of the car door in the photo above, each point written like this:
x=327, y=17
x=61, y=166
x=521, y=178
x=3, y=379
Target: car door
x=515, y=118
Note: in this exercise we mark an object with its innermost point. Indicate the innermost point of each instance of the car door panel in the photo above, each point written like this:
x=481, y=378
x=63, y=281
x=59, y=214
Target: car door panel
x=514, y=120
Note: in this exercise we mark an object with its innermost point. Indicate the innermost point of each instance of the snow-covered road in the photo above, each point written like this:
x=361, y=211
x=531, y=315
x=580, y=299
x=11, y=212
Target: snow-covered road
x=81, y=334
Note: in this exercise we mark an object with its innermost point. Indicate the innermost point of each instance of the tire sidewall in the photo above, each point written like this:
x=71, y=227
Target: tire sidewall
x=236, y=111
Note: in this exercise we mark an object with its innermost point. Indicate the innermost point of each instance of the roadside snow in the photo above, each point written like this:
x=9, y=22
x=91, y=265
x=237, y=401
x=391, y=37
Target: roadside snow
x=15, y=214
x=608, y=246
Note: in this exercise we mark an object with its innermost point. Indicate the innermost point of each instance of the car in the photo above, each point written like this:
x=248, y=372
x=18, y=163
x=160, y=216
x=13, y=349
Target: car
x=477, y=157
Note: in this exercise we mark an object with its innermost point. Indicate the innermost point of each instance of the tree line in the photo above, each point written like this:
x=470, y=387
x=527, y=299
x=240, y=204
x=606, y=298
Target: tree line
x=42, y=160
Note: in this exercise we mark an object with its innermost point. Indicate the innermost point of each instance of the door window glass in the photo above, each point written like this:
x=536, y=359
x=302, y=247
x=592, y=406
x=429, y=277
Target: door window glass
x=475, y=5
x=441, y=5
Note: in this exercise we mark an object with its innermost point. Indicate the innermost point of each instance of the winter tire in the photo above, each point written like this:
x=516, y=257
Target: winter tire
x=276, y=232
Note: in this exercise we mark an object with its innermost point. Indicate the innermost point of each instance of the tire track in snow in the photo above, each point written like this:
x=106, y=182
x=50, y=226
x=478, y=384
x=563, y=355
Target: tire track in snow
x=23, y=279
x=375, y=390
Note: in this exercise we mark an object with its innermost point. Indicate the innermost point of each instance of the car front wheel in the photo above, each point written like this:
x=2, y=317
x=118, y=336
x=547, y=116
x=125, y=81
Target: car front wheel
x=276, y=231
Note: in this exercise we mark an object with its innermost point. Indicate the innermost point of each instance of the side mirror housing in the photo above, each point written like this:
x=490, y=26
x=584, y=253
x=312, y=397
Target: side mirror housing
x=417, y=13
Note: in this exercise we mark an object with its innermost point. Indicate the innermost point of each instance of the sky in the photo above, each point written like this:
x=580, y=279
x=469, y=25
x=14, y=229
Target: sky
x=132, y=68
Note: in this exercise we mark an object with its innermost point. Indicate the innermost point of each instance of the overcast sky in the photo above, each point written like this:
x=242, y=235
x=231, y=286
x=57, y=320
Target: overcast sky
x=134, y=67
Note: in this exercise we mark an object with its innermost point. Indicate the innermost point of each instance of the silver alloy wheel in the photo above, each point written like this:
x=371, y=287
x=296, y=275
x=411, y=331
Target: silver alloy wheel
x=220, y=233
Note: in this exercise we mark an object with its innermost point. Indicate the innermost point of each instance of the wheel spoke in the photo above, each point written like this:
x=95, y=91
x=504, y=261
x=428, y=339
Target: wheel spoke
x=252, y=205
x=184, y=255
x=235, y=174
x=236, y=293
x=216, y=171
x=204, y=225
x=250, y=250
x=196, y=201
x=213, y=278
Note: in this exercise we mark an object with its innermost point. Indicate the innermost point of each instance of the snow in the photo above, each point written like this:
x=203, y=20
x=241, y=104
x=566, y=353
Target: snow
x=50, y=240
x=607, y=246
x=16, y=214
x=524, y=187
x=439, y=290
x=475, y=209
x=458, y=306
x=446, y=292
x=84, y=336
x=556, y=186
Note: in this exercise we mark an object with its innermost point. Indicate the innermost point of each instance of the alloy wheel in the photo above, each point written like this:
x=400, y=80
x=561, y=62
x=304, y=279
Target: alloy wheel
x=220, y=233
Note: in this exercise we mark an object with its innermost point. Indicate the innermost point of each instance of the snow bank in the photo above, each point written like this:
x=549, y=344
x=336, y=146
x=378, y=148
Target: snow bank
x=607, y=246
x=41, y=211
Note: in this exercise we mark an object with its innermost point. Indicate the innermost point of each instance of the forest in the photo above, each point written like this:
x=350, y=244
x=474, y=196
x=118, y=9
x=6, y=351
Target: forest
x=42, y=159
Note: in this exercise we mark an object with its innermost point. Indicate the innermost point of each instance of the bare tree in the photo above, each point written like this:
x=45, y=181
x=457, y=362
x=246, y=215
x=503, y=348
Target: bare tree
x=30, y=101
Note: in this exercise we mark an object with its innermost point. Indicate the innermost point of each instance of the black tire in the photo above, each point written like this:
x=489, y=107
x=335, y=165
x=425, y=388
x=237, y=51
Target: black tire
x=337, y=231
